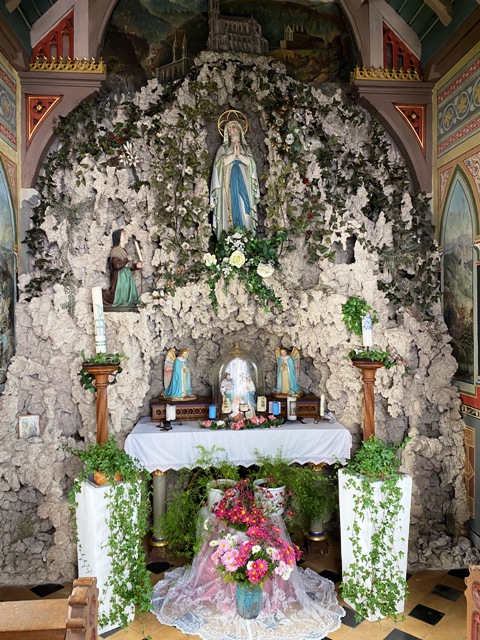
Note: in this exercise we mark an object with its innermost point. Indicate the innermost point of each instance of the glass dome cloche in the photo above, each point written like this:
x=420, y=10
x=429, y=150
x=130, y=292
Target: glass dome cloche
x=237, y=382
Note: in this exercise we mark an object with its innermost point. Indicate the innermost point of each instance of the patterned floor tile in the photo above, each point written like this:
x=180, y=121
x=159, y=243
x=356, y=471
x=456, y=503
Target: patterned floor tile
x=426, y=614
x=447, y=592
x=349, y=619
x=158, y=567
x=396, y=634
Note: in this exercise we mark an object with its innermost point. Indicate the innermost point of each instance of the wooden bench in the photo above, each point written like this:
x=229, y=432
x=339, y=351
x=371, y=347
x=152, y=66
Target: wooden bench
x=72, y=619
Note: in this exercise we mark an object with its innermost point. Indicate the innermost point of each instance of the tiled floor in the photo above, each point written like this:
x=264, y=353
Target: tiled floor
x=435, y=609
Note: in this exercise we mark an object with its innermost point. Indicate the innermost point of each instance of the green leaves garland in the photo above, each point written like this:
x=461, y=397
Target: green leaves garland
x=242, y=254
x=374, y=583
x=129, y=577
x=312, y=179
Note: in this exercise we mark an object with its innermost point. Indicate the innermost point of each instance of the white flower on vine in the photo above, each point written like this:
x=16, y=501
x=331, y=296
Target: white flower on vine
x=209, y=259
x=189, y=171
x=265, y=270
x=237, y=259
x=290, y=138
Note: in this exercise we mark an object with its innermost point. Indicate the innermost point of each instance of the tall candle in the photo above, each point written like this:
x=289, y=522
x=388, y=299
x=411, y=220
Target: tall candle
x=212, y=412
x=139, y=253
x=98, y=320
x=291, y=408
x=170, y=412
x=322, y=405
x=367, y=331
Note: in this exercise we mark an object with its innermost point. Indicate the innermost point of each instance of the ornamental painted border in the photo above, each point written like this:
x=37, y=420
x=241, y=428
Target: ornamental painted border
x=8, y=108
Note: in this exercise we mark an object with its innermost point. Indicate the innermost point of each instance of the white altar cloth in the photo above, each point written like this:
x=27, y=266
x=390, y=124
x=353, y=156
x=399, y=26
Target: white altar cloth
x=309, y=442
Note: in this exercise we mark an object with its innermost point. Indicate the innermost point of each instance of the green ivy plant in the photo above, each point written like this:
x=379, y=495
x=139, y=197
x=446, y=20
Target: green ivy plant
x=374, y=583
x=353, y=310
x=178, y=525
x=311, y=177
x=129, y=577
x=388, y=357
x=87, y=379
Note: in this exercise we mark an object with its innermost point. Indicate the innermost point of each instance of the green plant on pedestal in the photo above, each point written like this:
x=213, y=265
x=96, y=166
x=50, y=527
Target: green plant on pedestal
x=374, y=583
x=87, y=379
x=353, y=310
x=179, y=524
x=129, y=508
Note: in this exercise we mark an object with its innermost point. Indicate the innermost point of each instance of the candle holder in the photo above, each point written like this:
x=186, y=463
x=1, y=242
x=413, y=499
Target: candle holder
x=101, y=373
x=368, y=369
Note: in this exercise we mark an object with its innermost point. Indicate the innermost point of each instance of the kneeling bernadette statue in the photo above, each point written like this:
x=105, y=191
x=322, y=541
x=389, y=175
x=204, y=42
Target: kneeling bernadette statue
x=234, y=191
x=123, y=290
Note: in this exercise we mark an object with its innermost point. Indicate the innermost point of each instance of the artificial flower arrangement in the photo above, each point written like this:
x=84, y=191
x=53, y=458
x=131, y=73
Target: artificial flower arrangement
x=257, y=422
x=251, y=259
x=258, y=554
x=87, y=379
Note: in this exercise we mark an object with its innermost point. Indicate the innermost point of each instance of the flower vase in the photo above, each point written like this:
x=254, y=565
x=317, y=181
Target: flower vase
x=248, y=600
x=216, y=490
x=272, y=500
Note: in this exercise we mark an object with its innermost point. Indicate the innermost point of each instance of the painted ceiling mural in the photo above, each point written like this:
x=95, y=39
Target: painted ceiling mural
x=160, y=38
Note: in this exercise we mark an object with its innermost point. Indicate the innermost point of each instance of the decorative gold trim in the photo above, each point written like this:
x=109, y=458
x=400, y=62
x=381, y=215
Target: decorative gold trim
x=470, y=411
x=377, y=73
x=317, y=468
x=232, y=114
x=76, y=65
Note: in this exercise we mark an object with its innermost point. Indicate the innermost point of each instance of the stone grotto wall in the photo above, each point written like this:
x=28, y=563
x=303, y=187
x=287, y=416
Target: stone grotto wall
x=103, y=177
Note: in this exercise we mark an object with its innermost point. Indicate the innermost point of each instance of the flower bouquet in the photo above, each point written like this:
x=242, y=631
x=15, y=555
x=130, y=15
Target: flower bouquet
x=253, y=554
x=257, y=422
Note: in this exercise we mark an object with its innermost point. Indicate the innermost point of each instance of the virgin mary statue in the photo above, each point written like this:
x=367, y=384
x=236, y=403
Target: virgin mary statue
x=234, y=191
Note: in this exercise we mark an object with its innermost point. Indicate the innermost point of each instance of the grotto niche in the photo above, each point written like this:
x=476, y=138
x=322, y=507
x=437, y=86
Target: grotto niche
x=337, y=217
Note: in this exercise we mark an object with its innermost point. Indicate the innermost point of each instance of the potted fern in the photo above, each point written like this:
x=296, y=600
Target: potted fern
x=193, y=489
x=374, y=523
x=111, y=518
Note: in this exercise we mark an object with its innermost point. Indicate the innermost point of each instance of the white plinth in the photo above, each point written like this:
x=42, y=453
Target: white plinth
x=347, y=499
x=92, y=546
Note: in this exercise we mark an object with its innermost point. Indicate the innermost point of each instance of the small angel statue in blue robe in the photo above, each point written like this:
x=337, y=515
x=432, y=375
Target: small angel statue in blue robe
x=176, y=376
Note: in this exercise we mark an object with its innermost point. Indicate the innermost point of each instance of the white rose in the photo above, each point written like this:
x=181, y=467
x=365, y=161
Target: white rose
x=237, y=259
x=209, y=259
x=265, y=270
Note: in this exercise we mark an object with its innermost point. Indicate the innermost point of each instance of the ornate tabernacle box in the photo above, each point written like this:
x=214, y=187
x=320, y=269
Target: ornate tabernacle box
x=307, y=407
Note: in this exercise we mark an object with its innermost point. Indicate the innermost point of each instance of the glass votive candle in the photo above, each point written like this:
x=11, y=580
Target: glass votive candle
x=212, y=412
x=276, y=408
x=170, y=412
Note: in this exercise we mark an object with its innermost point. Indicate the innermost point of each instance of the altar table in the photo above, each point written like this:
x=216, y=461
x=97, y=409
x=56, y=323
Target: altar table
x=299, y=442
x=160, y=451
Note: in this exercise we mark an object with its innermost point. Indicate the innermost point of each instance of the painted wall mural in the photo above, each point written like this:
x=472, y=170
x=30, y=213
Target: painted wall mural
x=458, y=230
x=7, y=275
x=458, y=103
x=160, y=38
x=8, y=108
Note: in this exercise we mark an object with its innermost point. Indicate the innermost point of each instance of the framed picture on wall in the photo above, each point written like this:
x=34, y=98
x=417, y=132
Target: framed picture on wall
x=28, y=426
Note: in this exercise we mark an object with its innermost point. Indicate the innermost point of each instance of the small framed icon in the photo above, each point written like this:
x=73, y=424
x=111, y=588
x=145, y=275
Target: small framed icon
x=28, y=426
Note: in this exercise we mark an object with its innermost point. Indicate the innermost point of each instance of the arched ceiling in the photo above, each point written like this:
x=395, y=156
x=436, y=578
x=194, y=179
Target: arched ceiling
x=434, y=21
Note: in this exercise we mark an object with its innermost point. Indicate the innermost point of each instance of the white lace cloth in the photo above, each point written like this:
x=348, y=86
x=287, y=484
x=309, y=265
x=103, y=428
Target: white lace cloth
x=197, y=601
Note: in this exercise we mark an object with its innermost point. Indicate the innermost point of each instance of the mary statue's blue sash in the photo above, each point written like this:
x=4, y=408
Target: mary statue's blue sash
x=238, y=189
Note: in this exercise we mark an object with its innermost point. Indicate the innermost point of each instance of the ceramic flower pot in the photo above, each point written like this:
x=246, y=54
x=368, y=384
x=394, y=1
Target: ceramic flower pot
x=272, y=500
x=248, y=600
x=100, y=478
x=216, y=491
